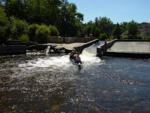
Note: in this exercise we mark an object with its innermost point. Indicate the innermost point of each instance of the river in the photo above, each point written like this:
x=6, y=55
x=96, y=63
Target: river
x=52, y=84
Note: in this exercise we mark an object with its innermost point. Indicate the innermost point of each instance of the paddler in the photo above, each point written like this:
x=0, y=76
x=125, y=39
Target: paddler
x=77, y=58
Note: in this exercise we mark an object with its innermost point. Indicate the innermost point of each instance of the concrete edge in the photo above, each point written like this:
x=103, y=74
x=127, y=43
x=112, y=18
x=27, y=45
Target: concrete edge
x=80, y=48
x=128, y=55
x=102, y=50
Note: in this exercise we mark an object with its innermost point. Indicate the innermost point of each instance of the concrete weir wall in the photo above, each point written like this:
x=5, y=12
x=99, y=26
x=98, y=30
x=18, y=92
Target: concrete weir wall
x=85, y=45
x=16, y=47
x=125, y=48
x=13, y=50
x=69, y=47
x=61, y=48
x=101, y=50
x=58, y=39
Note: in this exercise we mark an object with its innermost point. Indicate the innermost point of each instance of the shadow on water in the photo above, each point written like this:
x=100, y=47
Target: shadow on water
x=47, y=84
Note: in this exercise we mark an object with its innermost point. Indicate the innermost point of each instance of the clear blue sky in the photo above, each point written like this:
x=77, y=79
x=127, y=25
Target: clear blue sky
x=116, y=10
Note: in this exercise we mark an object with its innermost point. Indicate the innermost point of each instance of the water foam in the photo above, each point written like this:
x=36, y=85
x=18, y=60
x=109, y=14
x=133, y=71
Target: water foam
x=62, y=62
x=58, y=61
x=89, y=58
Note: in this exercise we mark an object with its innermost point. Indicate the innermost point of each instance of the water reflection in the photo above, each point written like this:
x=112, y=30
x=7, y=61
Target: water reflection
x=47, y=84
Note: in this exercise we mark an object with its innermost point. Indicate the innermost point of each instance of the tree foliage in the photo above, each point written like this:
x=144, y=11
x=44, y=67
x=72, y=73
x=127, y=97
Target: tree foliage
x=18, y=27
x=36, y=20
x=132, y=30
x=103, y=36
x=24, y=38
x=117, y=31
x=106, y=26
x=59, y=13
x=42, y=34
x=100, y=25
x=4, y=26
x=54, y=31
x=70, y=19
x=32, y=31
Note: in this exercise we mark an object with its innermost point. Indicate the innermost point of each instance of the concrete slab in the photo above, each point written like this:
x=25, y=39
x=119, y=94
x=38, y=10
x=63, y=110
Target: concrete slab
x=72, y=46
x=130, y=47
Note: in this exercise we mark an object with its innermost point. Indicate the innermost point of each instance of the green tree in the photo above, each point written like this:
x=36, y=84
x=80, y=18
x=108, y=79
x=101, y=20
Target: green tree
x=4, y=26
x=106, y=26
x=139, y=36
x=24, y=38
x=88, y=29
x=124, y=26
x=96, y=31
x=132, y=30
x=96, y=28
x=147, y=37
x=100, y=25
x=42, y=34
x=15, y=8
x=103, y=36
x=32, y=31
x=34, y=11
x=51, y=11
x=18, y=27
x=59, y=13
x=69, y=19
x=54, y=31
x=117, y=31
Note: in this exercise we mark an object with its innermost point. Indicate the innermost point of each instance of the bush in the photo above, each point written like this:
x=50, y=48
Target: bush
x=103, y=36
x=32, y=31
x=42, y=34
x=139, y=36
x=18, y=27
x=54, y=30
x=147, y=37
x=24, y=38
x=125, y=37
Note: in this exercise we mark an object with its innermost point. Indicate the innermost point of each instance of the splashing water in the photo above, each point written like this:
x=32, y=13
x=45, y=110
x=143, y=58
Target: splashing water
x=62, y=62
x=58, y=61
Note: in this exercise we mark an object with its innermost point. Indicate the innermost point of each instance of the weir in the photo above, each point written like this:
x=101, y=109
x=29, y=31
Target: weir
x=62, y=48
x=17, y=47
x=125, y=48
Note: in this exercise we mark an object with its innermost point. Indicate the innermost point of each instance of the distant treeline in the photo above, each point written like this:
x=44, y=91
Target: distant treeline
x=37, y=20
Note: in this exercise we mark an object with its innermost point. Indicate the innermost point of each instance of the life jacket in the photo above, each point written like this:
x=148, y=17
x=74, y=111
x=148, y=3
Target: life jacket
x=72, y=56
x=77, y=59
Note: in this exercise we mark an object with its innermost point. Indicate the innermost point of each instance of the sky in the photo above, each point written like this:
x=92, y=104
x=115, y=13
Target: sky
x=116, y=10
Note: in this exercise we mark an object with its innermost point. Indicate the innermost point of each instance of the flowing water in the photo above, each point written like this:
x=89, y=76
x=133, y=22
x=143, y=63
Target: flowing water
x=52, y=84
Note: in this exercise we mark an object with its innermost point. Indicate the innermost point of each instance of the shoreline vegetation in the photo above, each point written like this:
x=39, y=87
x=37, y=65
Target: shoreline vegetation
x=37, y=21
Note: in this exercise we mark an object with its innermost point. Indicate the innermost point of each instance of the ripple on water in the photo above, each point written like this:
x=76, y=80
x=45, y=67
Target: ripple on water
x=54, y=84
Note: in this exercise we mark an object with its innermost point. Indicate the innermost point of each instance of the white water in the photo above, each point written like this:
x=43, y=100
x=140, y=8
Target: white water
x=60, y=62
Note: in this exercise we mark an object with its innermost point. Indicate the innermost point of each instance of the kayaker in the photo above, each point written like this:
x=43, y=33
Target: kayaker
x=72, y=55
x=77, y=58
